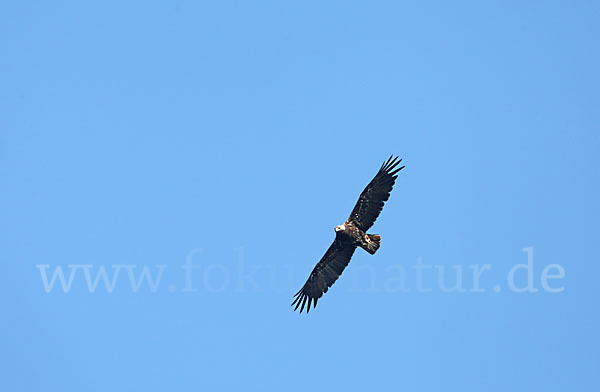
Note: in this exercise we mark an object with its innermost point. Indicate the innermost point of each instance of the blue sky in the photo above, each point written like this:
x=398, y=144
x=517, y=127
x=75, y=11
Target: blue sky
x=139, y=136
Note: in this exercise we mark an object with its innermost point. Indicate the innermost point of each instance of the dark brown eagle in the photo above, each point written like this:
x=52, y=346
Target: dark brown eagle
x=351, y=234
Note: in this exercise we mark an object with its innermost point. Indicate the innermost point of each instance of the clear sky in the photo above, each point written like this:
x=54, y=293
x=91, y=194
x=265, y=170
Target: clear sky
x=212, y=147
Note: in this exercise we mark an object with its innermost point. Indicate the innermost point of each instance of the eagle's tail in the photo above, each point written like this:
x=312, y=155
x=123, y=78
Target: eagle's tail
x=373, y=243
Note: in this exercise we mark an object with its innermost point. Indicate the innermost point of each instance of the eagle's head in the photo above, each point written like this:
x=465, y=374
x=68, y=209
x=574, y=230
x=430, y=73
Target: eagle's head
x=340, y=228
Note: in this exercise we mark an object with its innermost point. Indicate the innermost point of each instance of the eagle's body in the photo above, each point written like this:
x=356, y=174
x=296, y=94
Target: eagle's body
x=350, y=235
x=348, y=232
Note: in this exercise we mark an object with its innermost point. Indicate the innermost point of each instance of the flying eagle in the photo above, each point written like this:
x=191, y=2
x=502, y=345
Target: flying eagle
x=351, y=234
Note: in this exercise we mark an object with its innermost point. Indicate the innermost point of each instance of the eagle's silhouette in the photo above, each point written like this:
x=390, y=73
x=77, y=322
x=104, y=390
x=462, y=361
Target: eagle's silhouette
x=351, y=234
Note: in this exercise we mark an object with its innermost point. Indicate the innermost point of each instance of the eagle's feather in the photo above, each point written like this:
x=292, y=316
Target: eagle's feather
x=370, y=203
x=325, y=273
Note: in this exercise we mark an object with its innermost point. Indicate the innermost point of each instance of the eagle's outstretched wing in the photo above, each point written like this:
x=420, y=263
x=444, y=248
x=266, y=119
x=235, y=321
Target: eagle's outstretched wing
x=325, y=273
x=371, y=199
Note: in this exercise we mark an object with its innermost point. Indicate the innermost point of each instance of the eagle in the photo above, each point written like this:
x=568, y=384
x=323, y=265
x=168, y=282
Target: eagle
x=350, y=235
